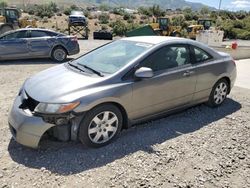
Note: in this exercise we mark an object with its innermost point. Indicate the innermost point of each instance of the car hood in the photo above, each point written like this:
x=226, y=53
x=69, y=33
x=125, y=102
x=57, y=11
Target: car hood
x=52, y=85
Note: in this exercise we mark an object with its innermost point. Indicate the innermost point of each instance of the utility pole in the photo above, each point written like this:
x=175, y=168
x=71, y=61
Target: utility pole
x=220, y=5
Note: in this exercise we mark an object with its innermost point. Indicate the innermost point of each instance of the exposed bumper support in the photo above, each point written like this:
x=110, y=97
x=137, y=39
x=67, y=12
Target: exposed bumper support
x=26, y=128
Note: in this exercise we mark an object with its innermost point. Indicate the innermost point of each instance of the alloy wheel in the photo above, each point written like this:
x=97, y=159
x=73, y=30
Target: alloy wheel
x=220, y=93
x=59, y=54
x=103, y=127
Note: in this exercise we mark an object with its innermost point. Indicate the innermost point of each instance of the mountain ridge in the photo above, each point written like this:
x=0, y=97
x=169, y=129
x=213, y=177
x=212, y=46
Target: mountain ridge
x=164, y=4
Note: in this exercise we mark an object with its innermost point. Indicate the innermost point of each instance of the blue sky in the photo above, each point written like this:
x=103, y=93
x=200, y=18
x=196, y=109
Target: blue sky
x=233, y=5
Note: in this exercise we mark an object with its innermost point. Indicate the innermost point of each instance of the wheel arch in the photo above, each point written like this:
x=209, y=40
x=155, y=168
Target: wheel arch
x=228, y=81
x=58, y=45
x=125, y=123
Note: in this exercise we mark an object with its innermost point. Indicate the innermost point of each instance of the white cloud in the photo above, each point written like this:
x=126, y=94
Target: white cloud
x=241, y=4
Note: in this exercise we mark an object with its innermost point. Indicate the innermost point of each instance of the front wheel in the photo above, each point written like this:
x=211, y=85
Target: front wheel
x=59, y=54
x=218, y=93
x=100, y=126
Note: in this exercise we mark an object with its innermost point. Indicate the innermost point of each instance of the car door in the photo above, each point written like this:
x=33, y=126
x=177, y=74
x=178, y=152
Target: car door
x=14, y=45
x=205, y=71
x=40, y=43
x=172, y=85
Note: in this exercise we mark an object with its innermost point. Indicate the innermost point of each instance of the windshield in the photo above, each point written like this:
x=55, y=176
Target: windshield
x=112, y=57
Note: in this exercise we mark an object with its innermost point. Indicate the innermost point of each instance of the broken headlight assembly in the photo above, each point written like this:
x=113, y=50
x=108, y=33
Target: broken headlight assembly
x=47, y=108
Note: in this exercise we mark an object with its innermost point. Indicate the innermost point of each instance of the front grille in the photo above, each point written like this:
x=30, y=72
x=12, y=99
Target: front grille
x=29, y=103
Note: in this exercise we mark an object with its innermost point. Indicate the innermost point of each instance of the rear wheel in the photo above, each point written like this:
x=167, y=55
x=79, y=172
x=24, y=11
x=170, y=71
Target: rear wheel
x=59, y=54
x=219, y=93
x=100, y=126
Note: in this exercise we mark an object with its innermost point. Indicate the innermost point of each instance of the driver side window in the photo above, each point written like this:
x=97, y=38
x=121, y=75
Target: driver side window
x=167, y=57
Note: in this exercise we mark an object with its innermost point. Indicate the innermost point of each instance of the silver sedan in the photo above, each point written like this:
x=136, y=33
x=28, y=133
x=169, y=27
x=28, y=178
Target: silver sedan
x=117, y=85
x=37, y=43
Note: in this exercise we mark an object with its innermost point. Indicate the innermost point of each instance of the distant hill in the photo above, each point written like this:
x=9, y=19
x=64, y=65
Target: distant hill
x=164, y=4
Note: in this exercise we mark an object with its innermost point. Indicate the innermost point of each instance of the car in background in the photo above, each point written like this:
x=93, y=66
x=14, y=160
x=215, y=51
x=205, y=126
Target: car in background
x=37, y=43
x=125, y=82
x=77, y=18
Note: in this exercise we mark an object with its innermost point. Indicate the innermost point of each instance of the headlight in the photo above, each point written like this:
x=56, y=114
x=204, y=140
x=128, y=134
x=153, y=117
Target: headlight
x=55, y=108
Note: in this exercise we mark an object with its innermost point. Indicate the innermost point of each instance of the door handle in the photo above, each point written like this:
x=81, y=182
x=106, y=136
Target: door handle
x=188, y=73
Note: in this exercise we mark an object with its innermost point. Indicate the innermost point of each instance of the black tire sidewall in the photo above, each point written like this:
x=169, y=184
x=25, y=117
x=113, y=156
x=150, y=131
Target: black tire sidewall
x=211, y=102
x=84, y=124
x=53, y=55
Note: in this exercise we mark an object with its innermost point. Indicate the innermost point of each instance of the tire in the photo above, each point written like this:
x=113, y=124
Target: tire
x=95, y=129
x=59, y=54
x=176, y=34
x=219, y=93
x=5, y=28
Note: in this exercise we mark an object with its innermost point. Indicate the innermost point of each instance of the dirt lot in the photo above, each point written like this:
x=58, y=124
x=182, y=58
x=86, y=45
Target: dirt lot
x=200, y=147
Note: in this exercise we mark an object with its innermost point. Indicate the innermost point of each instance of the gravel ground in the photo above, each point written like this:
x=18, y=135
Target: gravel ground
x=199, y=147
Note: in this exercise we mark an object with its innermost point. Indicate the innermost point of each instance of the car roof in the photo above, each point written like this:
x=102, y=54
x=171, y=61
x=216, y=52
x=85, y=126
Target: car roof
x=155, y=39
x=158, y=40
x=35, y=29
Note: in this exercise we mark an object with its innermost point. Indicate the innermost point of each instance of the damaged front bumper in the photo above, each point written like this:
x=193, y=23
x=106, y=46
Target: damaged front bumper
x=26, y=128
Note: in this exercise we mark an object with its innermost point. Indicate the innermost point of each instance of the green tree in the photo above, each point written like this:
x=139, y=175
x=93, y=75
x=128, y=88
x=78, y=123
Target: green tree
x=187, y=10
x=119, y=28
x=3, y=4
x=204, y=10
x=53, y=6
x=178, y=20
x=157, y=11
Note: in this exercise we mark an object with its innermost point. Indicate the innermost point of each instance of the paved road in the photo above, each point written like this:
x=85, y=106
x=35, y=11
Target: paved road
x=243, y=76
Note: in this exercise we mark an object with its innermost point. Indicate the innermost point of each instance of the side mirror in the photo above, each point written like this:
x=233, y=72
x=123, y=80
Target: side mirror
x=144, y=72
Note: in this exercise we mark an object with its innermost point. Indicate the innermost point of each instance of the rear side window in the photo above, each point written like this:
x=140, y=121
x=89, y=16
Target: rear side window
x=36, y=34
x=16, y=35
x=201, y=55
x=52, y=34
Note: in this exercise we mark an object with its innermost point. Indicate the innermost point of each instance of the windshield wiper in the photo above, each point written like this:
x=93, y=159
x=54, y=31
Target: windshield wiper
x=93, y=70
x=75, y=66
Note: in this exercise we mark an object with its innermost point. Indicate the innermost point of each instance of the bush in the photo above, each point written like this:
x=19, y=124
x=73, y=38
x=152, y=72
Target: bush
x=86, y=13
x=118, y=11
x=177, y=20
x=145, y=11
x=241, y=14
x=243, y=34
x=31, y=12
x=44, y=10
x=103, y=18
x=3, y=4
x=104, y=7
x=129, y=17
x=67, y=11
x=155, y=10
x=119, y=28
x=126, y=16
x=239, y=24
x=143, y=17
x=104, y=27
